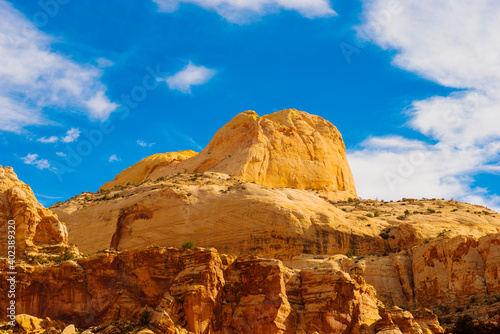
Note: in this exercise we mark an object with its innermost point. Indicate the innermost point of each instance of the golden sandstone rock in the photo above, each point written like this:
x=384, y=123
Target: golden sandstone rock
x=289, y=148
x=37, y=228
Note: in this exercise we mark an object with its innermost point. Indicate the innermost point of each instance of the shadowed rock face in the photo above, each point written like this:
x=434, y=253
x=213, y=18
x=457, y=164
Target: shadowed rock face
x=289, y=148
x=37, y=228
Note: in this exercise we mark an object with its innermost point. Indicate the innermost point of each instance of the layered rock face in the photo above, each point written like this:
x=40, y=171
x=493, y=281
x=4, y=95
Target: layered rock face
x=217, y=210
x=37, y=228
x=289, y=148
x=202, y=292
x=446, y=274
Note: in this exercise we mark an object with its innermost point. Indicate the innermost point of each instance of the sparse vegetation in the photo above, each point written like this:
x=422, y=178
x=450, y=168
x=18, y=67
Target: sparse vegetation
x=351, y=253
x=431, y=210
x=188, y=244
x=144, y=318
x=466, y=325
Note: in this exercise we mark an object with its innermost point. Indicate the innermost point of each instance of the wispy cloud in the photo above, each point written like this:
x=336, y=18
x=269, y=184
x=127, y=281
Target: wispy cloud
x=103, y=62
x=244, y=11
x=32, y=159
x=456, y=46
x=113, y=158
x=144, y=144
x=34, y=78
x=191, y=75
x=51, y=139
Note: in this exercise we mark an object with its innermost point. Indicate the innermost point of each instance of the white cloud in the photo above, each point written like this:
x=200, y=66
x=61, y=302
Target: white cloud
x=71, y=135
x=243, y=11
x=144, y=144
x=32, y=159
x=14, y=115
x=34, y=78
x=61, y=154
x=455, y=44
x=100, y=107
x=51, y=139
x=113, y=158
x=191, y=75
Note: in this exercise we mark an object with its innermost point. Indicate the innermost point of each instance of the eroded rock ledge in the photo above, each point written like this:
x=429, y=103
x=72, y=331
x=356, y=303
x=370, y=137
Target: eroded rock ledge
x=201, y=291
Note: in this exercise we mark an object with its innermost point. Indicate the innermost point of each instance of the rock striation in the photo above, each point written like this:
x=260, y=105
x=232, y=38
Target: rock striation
x=289, y=148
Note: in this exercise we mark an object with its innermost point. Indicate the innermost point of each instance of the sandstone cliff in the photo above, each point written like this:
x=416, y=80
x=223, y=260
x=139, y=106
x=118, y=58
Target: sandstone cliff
x=201, y=292
x=289, y=148
x=37, y=228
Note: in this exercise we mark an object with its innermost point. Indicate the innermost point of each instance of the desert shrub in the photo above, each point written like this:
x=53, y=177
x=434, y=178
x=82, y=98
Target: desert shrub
x=188, y=244
x=144, y=318
x=384, y=235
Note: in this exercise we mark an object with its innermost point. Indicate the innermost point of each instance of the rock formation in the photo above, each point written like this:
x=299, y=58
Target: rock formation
x=37, y=228
x=289, y=148
x=217, y=210
x=142, y=170
x=200, y=292
x=285, y=245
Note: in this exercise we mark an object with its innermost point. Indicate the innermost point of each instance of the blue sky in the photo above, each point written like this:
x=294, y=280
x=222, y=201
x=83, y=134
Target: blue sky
x=87, y=88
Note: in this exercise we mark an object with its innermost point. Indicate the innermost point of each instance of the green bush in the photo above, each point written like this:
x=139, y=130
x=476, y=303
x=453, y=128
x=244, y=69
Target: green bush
x=188, y=244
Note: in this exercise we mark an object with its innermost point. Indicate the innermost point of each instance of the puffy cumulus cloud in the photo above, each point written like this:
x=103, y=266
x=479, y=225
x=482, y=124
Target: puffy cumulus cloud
x=243, y=11
x=71, y=135
x=191, y=75
x=32, y=159
x=455, y=44
x=33, y=77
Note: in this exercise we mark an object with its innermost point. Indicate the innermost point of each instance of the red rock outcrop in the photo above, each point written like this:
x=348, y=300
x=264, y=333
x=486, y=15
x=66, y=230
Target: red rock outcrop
x=197, y=291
